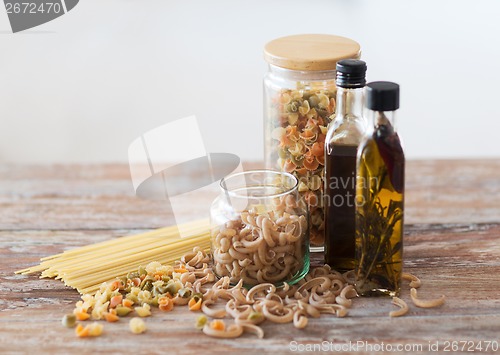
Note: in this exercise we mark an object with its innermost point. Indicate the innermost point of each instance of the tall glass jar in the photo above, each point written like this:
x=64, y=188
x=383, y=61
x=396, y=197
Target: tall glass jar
x=299, y=101
x=259, y=229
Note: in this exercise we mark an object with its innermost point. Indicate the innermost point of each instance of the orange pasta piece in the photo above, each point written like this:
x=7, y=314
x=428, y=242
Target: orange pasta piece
x=180, y=270
x=82, y=316
x=115, y=301
x=111, y=317
x=194, y=305
x=289, y=166
x=127, y=303
x=82, y=331
x=310, y=162
x=218, y=324
x=116, y=285
x=165, y=304
x=317, y=149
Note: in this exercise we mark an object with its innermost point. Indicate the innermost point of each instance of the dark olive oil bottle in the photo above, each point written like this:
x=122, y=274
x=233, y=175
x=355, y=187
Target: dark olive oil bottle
x=341, y=147
x=380, y=197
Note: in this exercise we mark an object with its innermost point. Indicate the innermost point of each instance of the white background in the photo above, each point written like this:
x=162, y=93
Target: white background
x=82, y=87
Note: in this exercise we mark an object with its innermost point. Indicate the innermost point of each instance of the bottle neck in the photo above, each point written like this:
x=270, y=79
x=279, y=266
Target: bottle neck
x=383, y=118
x=349, y=103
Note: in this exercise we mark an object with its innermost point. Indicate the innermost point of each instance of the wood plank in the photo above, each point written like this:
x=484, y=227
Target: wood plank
x=452, y=242
x=461, y=262
x=102, y=197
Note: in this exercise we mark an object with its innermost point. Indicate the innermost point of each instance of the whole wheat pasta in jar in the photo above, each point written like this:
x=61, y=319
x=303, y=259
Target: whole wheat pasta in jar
x=299, y=101
x=259, y=229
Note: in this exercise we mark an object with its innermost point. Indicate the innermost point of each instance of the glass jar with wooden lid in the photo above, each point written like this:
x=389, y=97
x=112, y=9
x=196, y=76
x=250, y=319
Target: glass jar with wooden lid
x=299, y=101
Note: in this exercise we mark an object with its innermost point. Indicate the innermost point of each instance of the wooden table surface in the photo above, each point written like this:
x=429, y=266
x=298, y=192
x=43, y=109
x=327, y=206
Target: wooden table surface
x=452, y=242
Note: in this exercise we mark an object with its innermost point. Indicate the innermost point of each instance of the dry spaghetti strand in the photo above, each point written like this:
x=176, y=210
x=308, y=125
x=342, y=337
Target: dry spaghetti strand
x=87, y=267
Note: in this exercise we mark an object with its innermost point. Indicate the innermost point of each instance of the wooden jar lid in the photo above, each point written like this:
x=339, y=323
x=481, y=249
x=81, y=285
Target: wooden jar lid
x=310, y=52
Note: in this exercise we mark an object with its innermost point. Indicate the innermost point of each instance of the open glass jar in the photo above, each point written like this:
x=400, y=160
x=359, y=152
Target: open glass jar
x=259, y=229
x=299, y=101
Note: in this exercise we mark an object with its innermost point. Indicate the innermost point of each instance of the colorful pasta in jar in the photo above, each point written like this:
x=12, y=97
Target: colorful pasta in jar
x=299, y=101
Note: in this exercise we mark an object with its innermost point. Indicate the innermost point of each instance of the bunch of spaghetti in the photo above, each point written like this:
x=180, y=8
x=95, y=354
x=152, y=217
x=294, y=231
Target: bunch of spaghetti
x=86, y=268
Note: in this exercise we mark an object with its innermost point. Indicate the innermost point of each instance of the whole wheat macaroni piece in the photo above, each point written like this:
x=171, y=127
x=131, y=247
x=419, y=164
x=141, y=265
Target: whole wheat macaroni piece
x=431, y=303
x=254, y=329
x=402, y=305
x=300, y=319
x=414, y=281
x=233, y=331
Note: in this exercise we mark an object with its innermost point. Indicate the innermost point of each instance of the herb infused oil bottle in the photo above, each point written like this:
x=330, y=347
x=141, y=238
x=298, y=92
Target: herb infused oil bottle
x=380, y=197
x=341, y=146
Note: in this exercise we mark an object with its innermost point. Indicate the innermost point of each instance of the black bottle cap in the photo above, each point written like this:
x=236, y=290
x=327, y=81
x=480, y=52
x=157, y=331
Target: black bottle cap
x=351, y=73
x=382, y=96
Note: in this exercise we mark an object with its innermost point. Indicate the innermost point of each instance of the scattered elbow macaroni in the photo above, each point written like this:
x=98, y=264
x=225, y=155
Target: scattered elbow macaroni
x=414, y=284
x=403, y=307
x=191, y=282
x=436, y=302
x=414, y=281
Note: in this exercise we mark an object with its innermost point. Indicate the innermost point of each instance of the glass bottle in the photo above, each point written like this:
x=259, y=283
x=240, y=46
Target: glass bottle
x=259, y=229
x=299, y=99
x=344, y=135
x=380, y=197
